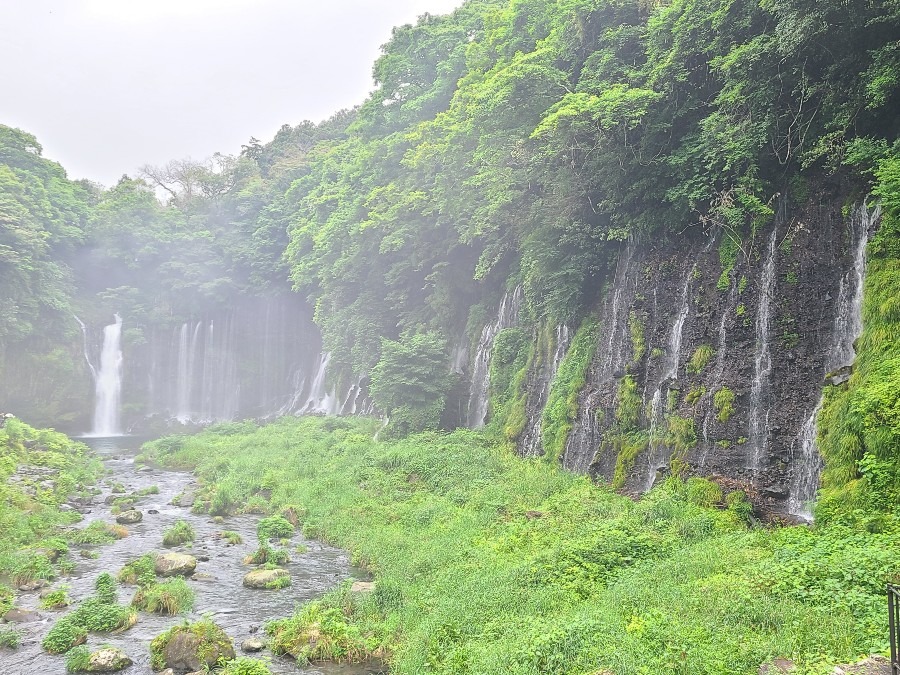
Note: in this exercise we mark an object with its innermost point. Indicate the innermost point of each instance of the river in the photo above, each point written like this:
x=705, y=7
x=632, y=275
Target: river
x=239, y=611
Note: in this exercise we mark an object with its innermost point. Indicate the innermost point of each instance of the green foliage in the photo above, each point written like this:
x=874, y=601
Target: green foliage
x=232, y=537
x=723, y=402
x=694, y=395
x=511, y=359
x=78, y=659
x=599, y=580
x=562, y=401
x=169, y=597
x=638, y=344
x=179, y=533
x=273, y=527
x=243, y=665
x=699, y=359
x=410, y=381
x=64, y=635
x=55, y=599
x=10, y=638
x=140, y=571
x=212, y=641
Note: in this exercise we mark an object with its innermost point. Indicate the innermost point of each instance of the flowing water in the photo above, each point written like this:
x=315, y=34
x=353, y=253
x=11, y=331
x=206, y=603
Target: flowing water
x=805, y=459
x=759, y=390
x=507, y=317
x=708, y=399
x=240, y=611
x=658, y=454
x=108, y=382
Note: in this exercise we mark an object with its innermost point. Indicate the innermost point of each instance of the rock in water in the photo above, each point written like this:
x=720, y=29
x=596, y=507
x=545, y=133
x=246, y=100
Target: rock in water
x=21, y=615
x=108, y=660
x=265, y=578
x=251, y=645
x=175, y=564
x=190, y=649
x=129, y=517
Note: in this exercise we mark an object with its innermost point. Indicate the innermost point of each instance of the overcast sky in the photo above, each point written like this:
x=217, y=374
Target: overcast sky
x=109, y=85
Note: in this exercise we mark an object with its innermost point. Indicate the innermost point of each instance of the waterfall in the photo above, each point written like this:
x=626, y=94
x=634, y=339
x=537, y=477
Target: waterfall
x=584, y=438
x=805, y=459
x=108, y=382
x=759, y=390
x=320, y=400
x=538, y=391
x=718, y=372
x=507, y=316
x=657, y=455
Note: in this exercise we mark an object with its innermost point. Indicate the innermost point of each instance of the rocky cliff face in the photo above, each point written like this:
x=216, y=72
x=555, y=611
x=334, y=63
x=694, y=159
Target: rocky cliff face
x=711, y=357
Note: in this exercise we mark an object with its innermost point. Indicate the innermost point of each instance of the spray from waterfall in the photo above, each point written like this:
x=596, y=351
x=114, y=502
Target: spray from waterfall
x=108, y=382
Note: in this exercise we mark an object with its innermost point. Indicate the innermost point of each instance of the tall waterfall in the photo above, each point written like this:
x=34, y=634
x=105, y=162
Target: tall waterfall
x=657, y=455
x=507, y=317
x=805, y=459
x=759, y=390
x=584, y=438
x=108, y=382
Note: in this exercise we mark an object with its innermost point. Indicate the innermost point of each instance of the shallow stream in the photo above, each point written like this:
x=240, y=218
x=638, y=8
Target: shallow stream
x=240, y=611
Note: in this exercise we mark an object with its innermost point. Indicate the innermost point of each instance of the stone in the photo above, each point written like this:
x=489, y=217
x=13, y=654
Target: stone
x=363, y=586
x=175, y=564
x=261, y=578
x=129, y=517
x=202, y=576
x=777, y=666
x=153, y=512
x=21, y=615
x=253, y=644
x=874, y=665
x=167, y=671
x=108, y=660
x=184, y=650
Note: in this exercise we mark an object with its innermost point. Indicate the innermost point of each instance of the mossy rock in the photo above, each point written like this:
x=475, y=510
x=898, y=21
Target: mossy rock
x=264, y=578
x=197, y=646
x=108, y=660
x=174, y=564
x=129, y=517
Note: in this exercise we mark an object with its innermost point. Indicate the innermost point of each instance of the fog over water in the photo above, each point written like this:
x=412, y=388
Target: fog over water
x=110, y=85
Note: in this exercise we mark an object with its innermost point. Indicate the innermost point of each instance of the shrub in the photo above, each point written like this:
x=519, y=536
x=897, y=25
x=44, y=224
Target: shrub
x=64, y=635
x=78, y=659
x=274, y=527
x=232, y=538
x=140, y=571
x=10, y=638
x=246, y=666
x=169, y=597
x=55, y=599
x=180, y=533
x=702, y=492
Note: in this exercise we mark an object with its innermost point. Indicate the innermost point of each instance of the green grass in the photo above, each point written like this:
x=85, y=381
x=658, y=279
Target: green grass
x=140, y=571
x=467, y=582
x=213, y=643
x=180, y=533
x=10, y=638
x=170, y=597
x=233, y=538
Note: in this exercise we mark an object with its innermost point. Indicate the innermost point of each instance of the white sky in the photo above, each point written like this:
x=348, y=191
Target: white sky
x=109, y=85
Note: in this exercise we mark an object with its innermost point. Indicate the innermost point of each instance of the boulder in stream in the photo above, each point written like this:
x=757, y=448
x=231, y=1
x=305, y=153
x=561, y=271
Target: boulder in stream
x=21, y=615
x=129, y=517
x=253, y=644
x=174, y=564
x=191, y=647
x=263, y=578
x=108, y=660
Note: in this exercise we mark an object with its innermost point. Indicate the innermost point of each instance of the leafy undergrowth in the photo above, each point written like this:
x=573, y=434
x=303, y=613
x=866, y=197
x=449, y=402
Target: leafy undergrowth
x=487, y=563
x=39, y=470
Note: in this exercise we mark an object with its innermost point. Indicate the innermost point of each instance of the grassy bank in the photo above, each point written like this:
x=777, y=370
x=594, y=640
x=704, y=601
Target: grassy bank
x=39, y=470
x=486, y=563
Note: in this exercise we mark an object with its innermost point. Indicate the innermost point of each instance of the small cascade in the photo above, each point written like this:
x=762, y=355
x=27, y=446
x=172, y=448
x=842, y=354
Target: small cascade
x=584, y=438
x=658, y=455
x=805, y=459
x=759, y=390
x=320, y=400
x=507, y=317
x=87, y=356
x=718, y=372
x=538, y=391
x=807, y=465
x=108, y=382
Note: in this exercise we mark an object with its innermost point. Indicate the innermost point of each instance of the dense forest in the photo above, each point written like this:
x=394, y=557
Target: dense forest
x=510, y=144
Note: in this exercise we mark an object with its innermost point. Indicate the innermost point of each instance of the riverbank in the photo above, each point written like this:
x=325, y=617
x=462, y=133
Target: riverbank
x=487, y=563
